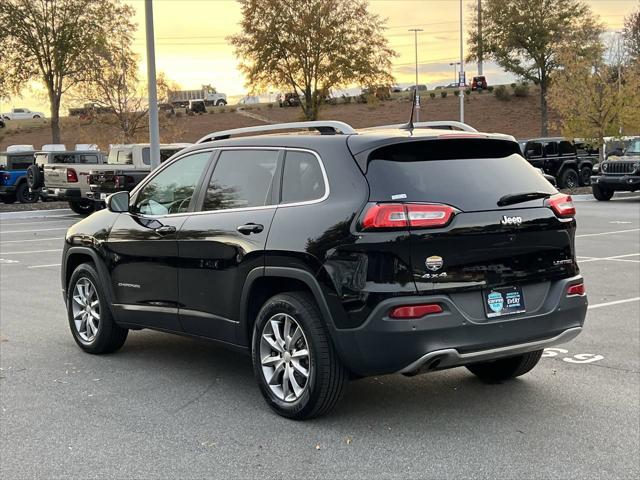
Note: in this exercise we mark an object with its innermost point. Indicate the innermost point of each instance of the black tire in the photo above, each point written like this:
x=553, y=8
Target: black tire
x=505, y=368
x=36, y=116
x=23, y=195
x=569, y=178
x=327, y=377
x=35, y=178
x=585, y=175
x=82, y=207
x=221, y=103
x=109, y=336
x=600, y=193
x=9, y=199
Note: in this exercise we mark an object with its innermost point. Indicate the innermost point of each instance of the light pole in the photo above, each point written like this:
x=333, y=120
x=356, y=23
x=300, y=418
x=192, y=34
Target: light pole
x=154, y=129
x=417, y=104
x=480, y=45
x=461, y=79
x=455, y=70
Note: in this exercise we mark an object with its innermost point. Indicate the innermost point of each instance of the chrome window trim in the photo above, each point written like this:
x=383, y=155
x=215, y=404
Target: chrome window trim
x=241, y=209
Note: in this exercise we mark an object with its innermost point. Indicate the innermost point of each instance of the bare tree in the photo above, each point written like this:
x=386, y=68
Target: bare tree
x=631, y=35
x=312, y=46
x=53, y=41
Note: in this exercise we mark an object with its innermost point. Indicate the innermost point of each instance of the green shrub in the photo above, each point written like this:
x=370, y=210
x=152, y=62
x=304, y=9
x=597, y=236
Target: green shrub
x=456, y=93
x=490, y=88
x=521, y=90
x=222, y=110
x=443, y=93
x=212, y=111
x=513, y=85
x=467, y=91
x=502, y=93
x=432, y=95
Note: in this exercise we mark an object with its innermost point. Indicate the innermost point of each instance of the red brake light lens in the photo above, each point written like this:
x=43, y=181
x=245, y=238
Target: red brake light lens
x=398, y=215
x=409, y=312
x=562, y=205
x=72, y=176
x=577, y=289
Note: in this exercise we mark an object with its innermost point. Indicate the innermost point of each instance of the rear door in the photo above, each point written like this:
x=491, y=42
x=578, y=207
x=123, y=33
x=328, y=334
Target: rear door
x=225, y=240
x=483, y=245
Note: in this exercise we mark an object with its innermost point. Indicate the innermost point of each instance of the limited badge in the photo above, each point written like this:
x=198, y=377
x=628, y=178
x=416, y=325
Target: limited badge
x=495, y=301
x=434, y=263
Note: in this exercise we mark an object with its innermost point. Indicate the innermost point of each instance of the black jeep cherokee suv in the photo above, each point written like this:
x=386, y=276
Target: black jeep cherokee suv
x=346, y=254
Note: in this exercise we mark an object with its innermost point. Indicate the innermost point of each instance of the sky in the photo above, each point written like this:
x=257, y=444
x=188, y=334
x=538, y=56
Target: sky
x=191, y=46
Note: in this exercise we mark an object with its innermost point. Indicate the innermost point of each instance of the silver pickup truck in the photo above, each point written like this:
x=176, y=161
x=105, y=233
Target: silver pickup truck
x=64, y=175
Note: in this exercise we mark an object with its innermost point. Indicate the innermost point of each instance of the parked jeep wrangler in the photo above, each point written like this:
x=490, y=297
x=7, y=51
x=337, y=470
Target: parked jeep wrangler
x=559, y=157
x=618, y=173
x=328, y=257
x=13, y=177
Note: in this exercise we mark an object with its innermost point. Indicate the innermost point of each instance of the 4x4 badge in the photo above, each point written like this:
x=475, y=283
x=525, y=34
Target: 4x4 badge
x=434, y=263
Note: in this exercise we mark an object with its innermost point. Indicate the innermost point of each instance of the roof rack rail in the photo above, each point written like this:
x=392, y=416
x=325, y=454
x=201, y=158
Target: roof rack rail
x=325, y=127
x=437, y=124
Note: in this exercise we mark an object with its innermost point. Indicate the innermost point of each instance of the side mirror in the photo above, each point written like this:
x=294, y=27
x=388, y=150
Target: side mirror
x=118, y=202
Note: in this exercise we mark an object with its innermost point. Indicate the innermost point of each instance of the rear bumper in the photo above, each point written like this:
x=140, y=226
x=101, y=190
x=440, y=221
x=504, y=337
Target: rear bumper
x=66, y=194
x=7, y=189
x=626, y=183
x=456, y=337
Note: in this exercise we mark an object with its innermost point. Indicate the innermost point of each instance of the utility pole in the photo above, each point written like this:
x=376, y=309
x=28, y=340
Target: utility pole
x=461, y=78
x=417, y=95
x=619, y=35
x=154, y=129
x=480, y=46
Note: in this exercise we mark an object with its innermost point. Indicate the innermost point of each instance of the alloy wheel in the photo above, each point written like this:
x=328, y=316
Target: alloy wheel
x=285, y=357
x=86, y=309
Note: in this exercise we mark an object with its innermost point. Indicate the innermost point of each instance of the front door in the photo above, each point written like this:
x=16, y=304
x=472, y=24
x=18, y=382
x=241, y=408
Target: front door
x=143, y=245
x=223, y=242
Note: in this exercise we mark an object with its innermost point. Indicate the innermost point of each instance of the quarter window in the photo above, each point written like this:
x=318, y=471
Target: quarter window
x=551, y=149
x=302, y=179
x=171, y=190
x=241, y=179
x=534, y=149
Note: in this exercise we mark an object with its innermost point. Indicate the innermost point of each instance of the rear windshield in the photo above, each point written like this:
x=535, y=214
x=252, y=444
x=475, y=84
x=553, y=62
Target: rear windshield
x=416, y=172
x=165, y=154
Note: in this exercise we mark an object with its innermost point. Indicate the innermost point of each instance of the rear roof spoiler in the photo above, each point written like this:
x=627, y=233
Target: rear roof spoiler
x=329, y=127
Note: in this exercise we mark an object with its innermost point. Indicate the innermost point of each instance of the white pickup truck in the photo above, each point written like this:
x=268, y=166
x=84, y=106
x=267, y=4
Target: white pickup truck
x=126, y=166
x=21, y=114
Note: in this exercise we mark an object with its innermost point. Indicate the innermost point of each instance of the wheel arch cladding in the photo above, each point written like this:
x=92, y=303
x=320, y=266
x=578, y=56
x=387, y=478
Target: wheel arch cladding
x=75, y=257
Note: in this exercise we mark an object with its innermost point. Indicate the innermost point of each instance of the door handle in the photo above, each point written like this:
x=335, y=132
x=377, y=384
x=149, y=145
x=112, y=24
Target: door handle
x=250, y=228
x=165, y=229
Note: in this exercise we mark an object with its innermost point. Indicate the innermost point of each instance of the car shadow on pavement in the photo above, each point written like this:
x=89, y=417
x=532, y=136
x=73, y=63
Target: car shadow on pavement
x=435, y=399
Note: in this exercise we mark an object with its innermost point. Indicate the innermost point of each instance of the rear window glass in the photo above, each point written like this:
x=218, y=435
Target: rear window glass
x=18, y=162
x=165, y=154
x=64, y=158
x=414, y=173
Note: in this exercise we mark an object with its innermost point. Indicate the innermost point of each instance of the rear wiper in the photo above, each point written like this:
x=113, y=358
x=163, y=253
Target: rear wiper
x=513, y=198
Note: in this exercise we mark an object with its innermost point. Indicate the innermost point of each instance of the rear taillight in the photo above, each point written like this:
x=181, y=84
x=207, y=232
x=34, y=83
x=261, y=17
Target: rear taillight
x=5, y=176
x=399, y=215
x=576, y=290
x=415, y=311
x=72, y=176
x=562, y=205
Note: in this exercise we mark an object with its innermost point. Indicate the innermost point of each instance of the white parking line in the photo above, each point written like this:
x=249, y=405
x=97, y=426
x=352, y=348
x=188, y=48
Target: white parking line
x=44, y=266
x=32, y=240
x=30, y=251
x=607, y=233
x=616, y=258
x=616, y=302
x=35, y=230
x=43, y=221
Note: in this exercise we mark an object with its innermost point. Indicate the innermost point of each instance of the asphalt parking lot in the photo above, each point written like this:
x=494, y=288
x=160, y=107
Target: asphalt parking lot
x=173, y=407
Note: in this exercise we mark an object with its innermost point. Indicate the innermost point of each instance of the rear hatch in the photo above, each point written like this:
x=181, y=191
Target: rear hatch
x=462, y=237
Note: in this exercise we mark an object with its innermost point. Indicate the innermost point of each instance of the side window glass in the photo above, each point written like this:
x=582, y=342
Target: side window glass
x=550, y=149
x=566, y=148
x=88, y=159
x=534, y=149
x=171, y=190
x=146, y=156
x=302, y=178
x=241, y=179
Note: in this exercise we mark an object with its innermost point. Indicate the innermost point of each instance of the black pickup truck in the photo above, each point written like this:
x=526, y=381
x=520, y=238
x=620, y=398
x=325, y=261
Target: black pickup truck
x=618, y=173
x=571, y=164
